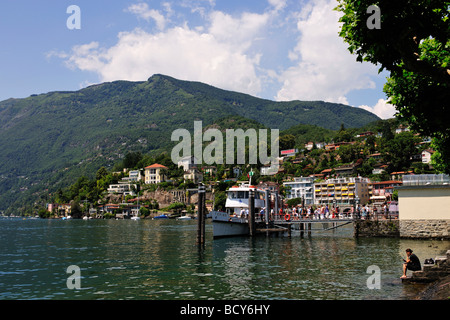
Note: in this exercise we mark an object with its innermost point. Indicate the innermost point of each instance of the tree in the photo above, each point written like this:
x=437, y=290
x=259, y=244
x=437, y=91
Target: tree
x=294, y=202
x=75, y=210
x=343, y=135
x=399, y=151
x=131, y=159
x=220, y=197
x=287, y=141
x=144, y=211
x=101, y=173
x=413, y=44
x=43, y=213
x=349, y=152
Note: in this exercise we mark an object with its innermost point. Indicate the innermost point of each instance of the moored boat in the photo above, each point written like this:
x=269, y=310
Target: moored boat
x=234, y=220
x=163, y=216
x=184, y=218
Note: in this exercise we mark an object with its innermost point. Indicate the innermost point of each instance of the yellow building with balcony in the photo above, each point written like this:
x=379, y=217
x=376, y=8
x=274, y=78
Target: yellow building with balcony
x=343, y=191
x=155, y=173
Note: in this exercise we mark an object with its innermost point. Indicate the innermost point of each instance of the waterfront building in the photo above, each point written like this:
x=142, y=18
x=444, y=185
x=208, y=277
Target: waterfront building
x=64, y=209
x=301, y=187
x=382, y=191
x=342, y=191
x=424, y=202
x=155, y=173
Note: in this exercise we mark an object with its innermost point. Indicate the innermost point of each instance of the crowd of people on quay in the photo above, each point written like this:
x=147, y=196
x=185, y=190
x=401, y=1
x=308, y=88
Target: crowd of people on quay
x=323, y=212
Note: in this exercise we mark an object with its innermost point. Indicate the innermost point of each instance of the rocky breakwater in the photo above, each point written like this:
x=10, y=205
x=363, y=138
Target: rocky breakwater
x=432, y=272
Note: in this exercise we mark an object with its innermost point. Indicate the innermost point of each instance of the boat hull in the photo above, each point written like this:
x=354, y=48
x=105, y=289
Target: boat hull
x=226, y=226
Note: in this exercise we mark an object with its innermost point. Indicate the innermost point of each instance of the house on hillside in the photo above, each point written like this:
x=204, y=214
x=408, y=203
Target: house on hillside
x=309, y=146
x=193, y=175
x=347, y=169
x=426, y=155
x=365, y=134
x=155, y=173
x=401, y=128
x=122, y=188
x=188, y=162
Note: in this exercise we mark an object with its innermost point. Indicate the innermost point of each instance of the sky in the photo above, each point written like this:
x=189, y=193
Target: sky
x=280, y=50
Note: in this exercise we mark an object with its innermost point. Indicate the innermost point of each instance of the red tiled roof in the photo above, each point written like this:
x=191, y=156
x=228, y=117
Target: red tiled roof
x=156, y=165
x=388, y=182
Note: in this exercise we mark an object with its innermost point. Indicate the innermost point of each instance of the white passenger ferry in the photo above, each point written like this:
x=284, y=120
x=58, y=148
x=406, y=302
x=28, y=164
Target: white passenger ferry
x=234, y=220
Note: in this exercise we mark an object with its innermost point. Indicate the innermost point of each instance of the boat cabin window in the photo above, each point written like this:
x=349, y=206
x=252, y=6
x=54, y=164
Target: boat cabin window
x=238, y=195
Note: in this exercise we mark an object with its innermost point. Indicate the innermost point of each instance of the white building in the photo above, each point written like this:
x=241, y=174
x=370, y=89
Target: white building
x=122, y=188
x=426, y=155
x=134, y=176
x=302, y=187
x=188, y=163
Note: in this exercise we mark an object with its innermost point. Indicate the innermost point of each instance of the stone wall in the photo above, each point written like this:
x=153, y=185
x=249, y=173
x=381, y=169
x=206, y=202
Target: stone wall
x=426, y=229
x=376, y=228
x=165, y=198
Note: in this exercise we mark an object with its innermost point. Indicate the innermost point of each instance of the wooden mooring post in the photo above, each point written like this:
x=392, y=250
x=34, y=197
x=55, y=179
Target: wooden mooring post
x=201, y=216
x=251, y=212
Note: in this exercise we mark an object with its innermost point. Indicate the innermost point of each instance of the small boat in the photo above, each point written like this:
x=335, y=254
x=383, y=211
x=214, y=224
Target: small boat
x=184, y=218
x=163, y=216
x=135, y=218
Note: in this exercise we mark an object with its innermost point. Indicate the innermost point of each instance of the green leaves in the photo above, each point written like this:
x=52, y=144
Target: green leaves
x=413, y=44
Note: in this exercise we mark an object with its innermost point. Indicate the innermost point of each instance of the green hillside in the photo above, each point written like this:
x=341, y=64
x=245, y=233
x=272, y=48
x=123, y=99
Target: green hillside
x=49, y=140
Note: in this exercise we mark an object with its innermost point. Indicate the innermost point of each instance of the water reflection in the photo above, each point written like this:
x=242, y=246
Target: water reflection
x=159, y=260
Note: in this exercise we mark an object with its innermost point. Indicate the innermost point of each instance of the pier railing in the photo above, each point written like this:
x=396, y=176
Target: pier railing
x=345, y=217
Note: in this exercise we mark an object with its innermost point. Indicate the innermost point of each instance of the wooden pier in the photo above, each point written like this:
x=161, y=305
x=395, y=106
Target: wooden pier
x=301, y=225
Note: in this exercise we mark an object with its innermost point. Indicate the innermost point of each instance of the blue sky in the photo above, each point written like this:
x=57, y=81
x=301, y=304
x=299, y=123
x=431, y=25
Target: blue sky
x=274, y=49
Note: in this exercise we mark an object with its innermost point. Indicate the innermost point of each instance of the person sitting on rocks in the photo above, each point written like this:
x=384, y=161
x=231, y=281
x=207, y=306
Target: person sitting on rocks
x=412, y=263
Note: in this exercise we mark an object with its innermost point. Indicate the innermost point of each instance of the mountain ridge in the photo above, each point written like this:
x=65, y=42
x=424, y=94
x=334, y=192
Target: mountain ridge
x=49, y=139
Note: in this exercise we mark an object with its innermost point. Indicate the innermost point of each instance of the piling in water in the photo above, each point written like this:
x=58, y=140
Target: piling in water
x=201, y=216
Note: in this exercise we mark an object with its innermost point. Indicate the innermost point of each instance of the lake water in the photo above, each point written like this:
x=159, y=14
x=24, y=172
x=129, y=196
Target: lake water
x=158, y=260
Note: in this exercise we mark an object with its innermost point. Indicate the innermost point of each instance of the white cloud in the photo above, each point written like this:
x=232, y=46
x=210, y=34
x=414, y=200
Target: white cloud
x=143, y=11
x=240, y=31
x=179, y=52
x=323, y=69
x=262, y=54
x=278, y=4
x=382, y=109
x=218, y=53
